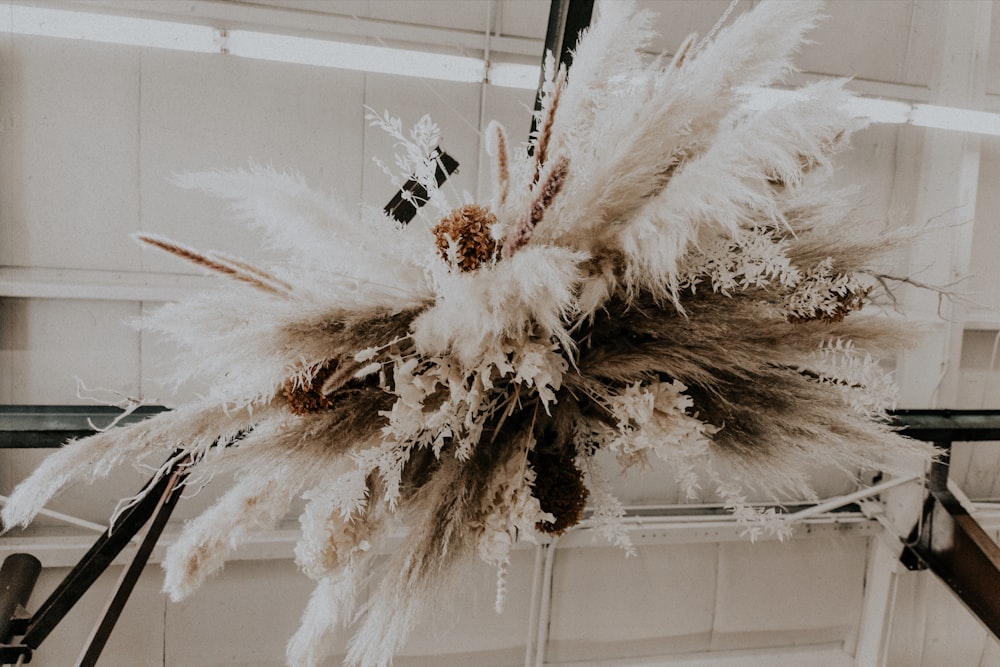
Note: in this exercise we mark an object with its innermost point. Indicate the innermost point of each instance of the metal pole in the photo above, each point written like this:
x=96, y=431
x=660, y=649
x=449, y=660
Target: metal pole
x=17, y=579
x=566, y=19
x=130, y=576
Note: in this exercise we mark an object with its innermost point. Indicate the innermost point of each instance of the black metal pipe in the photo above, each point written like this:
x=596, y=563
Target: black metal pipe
x=130, y=576
x=948, y=425
x=566, y=19
x=18, y=575
x=93, y=564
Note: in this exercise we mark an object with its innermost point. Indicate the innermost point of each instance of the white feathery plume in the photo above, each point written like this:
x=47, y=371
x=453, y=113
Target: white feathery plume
x=663, y=113
x=669, y=275
x=317, y=233
x=256, y=502
x=197, y=428
x=731, y=185
x=475, y=311
x=756, y=49
x=329, y=607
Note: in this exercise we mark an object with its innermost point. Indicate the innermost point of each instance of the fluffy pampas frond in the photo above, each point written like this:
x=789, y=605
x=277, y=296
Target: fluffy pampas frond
x=668, y=276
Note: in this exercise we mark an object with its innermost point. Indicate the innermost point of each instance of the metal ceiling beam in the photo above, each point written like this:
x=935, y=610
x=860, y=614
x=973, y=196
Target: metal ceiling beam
x=50, y=426
x=947, y=539
x=566, y=19
x=953, y=545
x=949, y=425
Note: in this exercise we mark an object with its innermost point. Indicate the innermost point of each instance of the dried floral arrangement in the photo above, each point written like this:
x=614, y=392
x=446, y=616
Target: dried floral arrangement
x=666, y=275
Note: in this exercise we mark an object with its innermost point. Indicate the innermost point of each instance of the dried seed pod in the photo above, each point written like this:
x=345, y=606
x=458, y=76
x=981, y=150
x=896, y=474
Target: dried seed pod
x=470, y=228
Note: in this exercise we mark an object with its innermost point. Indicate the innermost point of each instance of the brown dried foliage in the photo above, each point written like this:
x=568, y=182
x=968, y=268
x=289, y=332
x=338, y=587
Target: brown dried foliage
x=741, y=369
x=305, y=399
x=470, y=228
x=503, y=168
x=545, y=193
x=847, y=303
x=234, y=270
x=545, y=132
x=559, y=487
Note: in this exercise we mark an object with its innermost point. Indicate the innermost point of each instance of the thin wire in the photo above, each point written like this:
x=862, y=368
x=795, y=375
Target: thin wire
x=717, y=26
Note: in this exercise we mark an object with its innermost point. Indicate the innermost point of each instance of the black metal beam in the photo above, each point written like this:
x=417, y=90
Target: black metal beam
x=953, y=545
x=948, y=426
x=130, y=575
x=93, y=564
x=50, y=426
x=566, y=19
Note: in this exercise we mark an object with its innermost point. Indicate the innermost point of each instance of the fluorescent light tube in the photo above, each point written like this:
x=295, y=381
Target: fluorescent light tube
x=362, y=57
x=91, y=27
x=512, y=75
x=951, y=118
x=892, y=112
x=880, y=111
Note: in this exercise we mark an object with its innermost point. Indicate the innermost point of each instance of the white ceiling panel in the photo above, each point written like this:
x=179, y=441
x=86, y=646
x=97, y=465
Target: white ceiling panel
x=70, y=111
x=643, y=595
x=523, y=18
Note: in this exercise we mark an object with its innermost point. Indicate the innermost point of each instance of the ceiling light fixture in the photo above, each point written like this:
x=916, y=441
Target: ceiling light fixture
x=892, y=112
x=178, y=36
x=513, y=75
x=346, y=55
x=108, y=28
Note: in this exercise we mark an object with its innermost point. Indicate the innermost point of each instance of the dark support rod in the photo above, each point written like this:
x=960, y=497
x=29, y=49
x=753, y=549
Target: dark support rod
x=952, y=544
x=404, y=204
x=566, y=19
x=93, y=563
x=17, y=579
x=130, y=576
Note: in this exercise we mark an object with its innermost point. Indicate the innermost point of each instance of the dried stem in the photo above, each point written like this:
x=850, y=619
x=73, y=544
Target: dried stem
x=238, y=263
x=232, y=271
x=545, y=192
x=943, y=291
x=545, y=131
x=502, y=168
x=683, y=51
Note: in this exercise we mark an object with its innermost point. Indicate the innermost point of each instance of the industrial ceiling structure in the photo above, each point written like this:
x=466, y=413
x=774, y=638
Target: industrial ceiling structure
x=95, y=123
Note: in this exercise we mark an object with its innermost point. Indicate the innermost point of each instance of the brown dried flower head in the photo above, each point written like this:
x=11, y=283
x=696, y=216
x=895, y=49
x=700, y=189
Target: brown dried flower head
x=559, y=488
x=304, y=399
x=469, y=227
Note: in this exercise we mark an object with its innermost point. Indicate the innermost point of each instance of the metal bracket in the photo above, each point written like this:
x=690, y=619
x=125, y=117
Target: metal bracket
x=17, y=579
x=948, y=540
x=404, y=204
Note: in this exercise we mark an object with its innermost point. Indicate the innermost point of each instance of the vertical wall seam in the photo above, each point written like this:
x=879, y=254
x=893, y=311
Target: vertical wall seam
x=139, y=217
